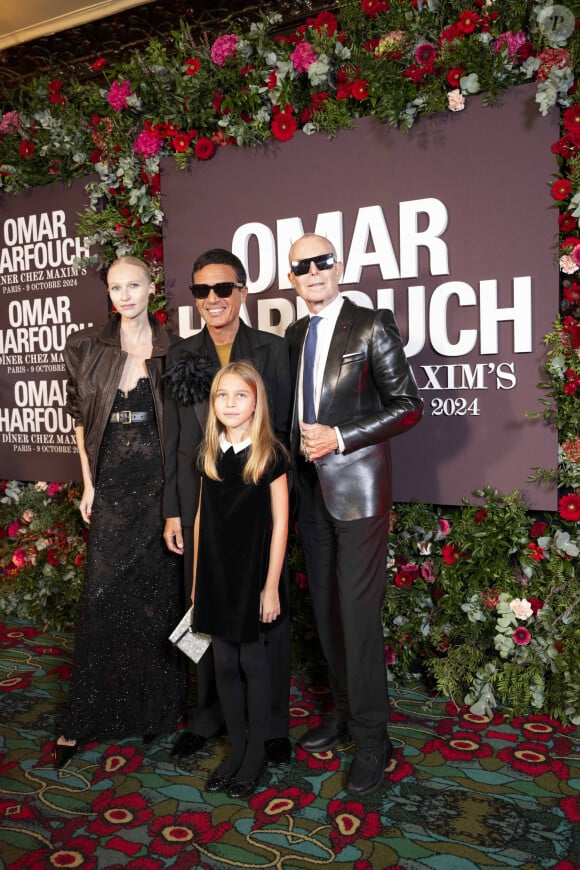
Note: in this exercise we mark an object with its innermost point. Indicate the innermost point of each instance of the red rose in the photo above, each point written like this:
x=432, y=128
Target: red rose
x=450, y=554
x=204, y=148
x=161, y=315
x=450, y=33
x=359, y=89
x=325, y=21
x=569, y=507
x=536, y=553
x=480, y=515
x=181, y=142
x=561, y=188
x=567, y=222
x=284, y=126
x=193, y=66
x=468, y=21
x=535, y=603
x=538, y=530
x=27, y=149
x=571, y=118
x=98, y=64
x=54, y=94
x=454, y=75
x=373, y=8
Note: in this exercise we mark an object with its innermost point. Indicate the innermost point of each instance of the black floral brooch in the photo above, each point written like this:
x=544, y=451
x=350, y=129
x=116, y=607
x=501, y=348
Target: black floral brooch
x=189, y=378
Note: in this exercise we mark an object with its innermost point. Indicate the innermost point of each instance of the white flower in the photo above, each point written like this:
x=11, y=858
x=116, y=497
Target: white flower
x=521, y=608
x=318, y=71
x=470, y=84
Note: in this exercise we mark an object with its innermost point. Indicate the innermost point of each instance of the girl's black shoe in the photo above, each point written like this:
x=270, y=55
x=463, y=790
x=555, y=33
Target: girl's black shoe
x=62, y=754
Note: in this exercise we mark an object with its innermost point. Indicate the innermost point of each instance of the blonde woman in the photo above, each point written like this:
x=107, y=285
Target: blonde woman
x=240, y=537
x=126, y=679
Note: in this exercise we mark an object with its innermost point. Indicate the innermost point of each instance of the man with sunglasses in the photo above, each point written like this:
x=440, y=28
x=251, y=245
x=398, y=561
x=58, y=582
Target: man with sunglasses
x=354, y=391
x=219, y=290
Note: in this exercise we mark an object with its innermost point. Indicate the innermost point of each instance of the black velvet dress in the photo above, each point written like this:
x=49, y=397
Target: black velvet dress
x=234, y=550
x=127, y=677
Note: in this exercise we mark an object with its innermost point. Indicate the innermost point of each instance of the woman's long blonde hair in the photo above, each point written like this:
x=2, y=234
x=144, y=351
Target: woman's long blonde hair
x=262, y=449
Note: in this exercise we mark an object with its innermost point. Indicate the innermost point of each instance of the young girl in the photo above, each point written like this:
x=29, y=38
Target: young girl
x=240, y=536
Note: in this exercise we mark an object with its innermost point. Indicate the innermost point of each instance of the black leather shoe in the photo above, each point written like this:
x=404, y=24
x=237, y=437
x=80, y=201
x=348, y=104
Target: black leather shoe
x=219, y=782
x=278, y=750
x=367, y=768
x=326, y=736
x=62, y=754
x=241, y=790
x=187, y=744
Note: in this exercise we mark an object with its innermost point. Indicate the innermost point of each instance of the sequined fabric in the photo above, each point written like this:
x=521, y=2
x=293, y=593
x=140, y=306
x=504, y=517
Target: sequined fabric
x=127, y=677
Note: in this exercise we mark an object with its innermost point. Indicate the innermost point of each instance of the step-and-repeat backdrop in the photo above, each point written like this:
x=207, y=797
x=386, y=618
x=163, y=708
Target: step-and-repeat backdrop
x=43, y=297
x=451, y=226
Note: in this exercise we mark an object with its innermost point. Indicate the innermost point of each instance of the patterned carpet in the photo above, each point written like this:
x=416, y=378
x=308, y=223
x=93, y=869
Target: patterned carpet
x=461, y=793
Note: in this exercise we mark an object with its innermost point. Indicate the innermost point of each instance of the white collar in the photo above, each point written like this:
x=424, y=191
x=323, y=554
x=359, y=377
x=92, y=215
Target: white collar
x=238, y=447
x=332, y=310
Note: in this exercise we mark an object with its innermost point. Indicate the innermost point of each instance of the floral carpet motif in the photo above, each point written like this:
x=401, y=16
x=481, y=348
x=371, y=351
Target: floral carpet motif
x=461, y=792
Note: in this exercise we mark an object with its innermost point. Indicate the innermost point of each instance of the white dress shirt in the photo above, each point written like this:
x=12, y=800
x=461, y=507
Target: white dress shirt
x=329, y=316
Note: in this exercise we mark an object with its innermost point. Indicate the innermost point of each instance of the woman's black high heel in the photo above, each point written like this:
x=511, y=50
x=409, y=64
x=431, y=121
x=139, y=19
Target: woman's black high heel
x=62, y=754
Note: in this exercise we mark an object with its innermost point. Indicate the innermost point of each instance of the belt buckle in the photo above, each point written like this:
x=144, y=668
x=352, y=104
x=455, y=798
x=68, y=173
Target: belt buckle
x=125, y=417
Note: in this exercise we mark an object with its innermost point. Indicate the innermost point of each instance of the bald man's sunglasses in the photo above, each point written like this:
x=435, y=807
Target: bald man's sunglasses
x=223, y=290
x=322, y=262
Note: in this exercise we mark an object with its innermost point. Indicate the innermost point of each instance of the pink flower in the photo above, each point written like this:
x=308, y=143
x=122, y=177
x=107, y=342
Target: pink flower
x=19, y=558
x=390, y=655
x=456, y=100
x=303, y=56
x=28, y=516
x=576, y=255
x=514, y=41
x=428, y=572
x=13, y=529
x=53, y=488
x=10, y=119
x=147, y=144
x=118, y=93
x=567, y=264
x=521, y=636
x=224, y=47
x=521, y=608
x=444, y=529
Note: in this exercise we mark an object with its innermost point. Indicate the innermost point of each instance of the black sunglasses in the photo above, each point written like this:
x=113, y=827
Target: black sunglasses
x=322, y=262
x=223, y=290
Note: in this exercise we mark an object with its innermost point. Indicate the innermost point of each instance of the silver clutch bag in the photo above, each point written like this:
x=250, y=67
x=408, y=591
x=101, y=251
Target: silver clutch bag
x=192, y=643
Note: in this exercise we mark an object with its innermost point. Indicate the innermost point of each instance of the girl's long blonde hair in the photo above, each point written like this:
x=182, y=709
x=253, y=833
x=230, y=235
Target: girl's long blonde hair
x=263, y=447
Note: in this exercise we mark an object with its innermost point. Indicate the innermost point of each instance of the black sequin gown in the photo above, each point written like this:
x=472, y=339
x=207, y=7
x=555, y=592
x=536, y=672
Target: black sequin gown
x=127, y=677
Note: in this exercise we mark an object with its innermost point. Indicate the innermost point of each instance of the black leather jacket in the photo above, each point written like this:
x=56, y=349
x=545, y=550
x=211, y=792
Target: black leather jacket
x=369, y=392
x=94, y=362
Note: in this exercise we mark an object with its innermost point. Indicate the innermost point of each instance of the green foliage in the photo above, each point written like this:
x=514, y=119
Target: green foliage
x=42, y=553
x=454, y=587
